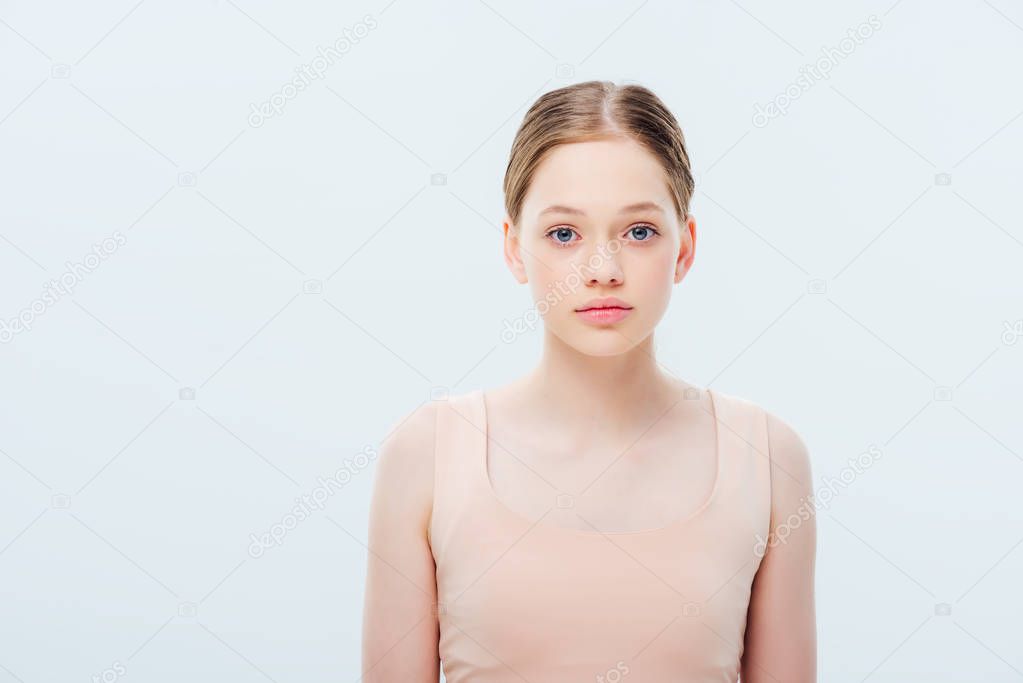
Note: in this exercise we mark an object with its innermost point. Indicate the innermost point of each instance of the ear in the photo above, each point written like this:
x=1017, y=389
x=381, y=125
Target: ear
x=687, y=249
x=513, y=252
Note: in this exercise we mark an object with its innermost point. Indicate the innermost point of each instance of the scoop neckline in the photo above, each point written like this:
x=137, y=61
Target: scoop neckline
x=554, y=528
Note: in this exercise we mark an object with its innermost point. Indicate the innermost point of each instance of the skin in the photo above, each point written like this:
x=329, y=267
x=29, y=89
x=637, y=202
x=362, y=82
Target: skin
x=595, y=390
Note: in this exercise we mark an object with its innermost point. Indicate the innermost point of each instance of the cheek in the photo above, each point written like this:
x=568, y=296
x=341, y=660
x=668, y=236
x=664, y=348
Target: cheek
x=650, y=280
x=547, y=285
x=652, y=287
x=546, y=276
x=649, y=268
x=558, y=272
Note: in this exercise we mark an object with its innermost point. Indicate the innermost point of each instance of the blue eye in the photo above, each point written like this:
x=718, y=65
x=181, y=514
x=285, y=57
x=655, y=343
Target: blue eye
x=646, y=233
x=561, y=232
x=646, y=230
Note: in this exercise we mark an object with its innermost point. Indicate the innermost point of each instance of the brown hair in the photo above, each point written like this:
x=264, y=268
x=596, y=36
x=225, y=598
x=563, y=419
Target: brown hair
x=596, y=110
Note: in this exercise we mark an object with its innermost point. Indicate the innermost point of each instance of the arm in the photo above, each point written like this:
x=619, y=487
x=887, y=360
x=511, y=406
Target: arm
x=399, y=629
x=781, y=629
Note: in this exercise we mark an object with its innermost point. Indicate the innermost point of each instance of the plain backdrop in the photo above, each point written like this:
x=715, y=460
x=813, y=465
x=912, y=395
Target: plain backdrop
x=258, y=281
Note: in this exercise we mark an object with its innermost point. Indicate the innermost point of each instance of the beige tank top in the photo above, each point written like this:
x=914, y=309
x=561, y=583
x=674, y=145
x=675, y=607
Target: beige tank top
x=530, y=601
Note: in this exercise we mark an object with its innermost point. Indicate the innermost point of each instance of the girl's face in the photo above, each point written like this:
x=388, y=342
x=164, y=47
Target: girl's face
x=598, y=222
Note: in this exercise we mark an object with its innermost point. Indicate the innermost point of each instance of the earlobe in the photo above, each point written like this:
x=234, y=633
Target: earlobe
x=680, y=265
x=686, y=251
x=511, y=254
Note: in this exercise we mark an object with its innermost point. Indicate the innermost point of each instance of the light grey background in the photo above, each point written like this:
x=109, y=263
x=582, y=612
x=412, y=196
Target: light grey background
x=312, y=280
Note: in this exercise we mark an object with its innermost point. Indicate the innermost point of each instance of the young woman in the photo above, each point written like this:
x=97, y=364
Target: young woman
x=598, y=519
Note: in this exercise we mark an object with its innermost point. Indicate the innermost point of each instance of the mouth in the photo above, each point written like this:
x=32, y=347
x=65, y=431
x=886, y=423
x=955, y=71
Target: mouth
x=604, y=303
x=603, y=308
x=603, y=315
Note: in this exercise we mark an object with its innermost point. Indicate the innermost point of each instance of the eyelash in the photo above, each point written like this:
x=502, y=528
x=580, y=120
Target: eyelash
x=649, y=227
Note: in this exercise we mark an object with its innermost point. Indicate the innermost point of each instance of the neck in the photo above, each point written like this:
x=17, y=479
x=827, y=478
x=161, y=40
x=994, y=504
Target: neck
x=619, y=392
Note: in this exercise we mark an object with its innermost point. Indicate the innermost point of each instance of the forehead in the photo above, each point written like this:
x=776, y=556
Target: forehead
x=598, y=176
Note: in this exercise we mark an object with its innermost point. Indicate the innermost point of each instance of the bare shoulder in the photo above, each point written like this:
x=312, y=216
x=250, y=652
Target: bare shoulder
x=791, y=471
x=403, y=482
x=400, y=569
x=788, y=450
x=781, y=631
x=411, y=431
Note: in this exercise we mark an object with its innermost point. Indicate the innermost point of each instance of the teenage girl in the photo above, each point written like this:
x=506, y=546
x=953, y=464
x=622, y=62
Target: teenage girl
x=598, y=519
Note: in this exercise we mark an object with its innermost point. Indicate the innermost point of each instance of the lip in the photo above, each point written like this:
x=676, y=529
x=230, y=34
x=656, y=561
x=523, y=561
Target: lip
x=604, y=311
x=607, y=315
x=605, y=302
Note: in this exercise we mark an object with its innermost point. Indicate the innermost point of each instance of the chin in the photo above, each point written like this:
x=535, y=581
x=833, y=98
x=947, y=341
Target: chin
x=598, y=341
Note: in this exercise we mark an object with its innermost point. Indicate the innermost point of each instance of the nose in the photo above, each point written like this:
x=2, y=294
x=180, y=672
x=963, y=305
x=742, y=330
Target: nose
x=603, y=266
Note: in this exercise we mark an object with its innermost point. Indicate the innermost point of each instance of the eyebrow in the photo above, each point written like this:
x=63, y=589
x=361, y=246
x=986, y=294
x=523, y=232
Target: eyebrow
x=638, y=206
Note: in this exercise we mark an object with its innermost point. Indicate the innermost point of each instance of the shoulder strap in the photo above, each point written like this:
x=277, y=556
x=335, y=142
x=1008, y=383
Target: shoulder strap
x=459, y=436
x=745, y=461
